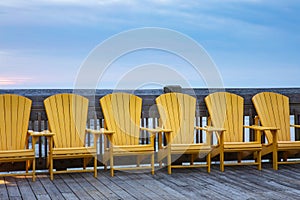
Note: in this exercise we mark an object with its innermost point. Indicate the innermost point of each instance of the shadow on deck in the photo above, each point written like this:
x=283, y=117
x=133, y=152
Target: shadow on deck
x=242, y=182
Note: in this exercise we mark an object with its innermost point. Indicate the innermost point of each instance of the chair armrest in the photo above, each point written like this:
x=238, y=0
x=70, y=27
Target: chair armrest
x=294, y=125
x=258, y=130
x=210, y=129
x=101, y=131
x=45, y=133
x=156, y=130
x=262, y=128
x=35, y=135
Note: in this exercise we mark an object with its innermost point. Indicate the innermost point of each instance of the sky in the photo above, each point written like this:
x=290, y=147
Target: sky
x=253, y=43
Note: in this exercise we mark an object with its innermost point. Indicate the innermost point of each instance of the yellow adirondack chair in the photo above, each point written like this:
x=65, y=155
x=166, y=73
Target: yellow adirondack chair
x=67, y=117
x=14, y=118
x=122, y=114
x=177, y=114
x=273, y=111
x=226, y=111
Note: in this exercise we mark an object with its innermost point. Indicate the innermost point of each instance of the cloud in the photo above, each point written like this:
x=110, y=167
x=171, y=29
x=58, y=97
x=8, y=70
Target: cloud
x=10, y=81
x=37, y=3
x=165, y=13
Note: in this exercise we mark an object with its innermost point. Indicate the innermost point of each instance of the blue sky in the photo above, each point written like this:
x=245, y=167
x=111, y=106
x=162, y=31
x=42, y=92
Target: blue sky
x=254, y=43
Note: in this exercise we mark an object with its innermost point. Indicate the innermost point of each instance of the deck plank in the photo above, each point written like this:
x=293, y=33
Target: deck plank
x=238, y=182
x=69, y=196
x=116, y=192
x=25, y=189
x=51, y=188
x=75, y=187
x=157, y=187
x=37, y=188
x=132, y=179
x=3, y=189
x=87, y=186
x=43, y=197
x=12, y=187
x=177, y=183
x=120, y=179
x=62, y=186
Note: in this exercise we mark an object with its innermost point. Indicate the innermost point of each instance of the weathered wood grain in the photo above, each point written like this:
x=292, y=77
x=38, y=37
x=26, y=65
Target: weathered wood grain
x=239, y=182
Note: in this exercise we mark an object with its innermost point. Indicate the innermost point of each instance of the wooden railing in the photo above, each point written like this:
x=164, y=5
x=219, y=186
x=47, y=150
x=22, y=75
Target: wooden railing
x=38, y=119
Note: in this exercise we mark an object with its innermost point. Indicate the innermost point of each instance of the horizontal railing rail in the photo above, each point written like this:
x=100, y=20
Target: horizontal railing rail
x=150, y=116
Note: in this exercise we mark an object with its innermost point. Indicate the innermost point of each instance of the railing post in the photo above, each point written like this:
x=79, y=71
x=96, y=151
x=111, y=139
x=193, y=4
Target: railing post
x=251, y=122
x=39, y=127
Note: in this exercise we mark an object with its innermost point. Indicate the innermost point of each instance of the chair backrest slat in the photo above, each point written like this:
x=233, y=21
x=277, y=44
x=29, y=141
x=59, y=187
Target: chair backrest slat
x=122, y=114
x=177, y=112
x=67, y=116
x=14, y=119
x=273, y=111
x=226, y=111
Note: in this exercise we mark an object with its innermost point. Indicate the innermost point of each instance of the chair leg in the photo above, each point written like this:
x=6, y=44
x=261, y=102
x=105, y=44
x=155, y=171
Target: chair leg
x=239, y=157
x=33, y=170
x=285, y=156
x=275, y=159
x=152, y=163
x=259, y=160
x=95, y=166
x=169, y=163
x=222, y=161
x=27, y=165
x=111, y=165
x=208, y=162
x=51, y=169
x=192, y=159
x=84, y=163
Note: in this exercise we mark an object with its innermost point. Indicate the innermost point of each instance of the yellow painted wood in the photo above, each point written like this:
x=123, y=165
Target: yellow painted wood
x=14, y=119
x=67, y=117
x=122, y=115
x=177, y=113
x=273, y=111
x=226, y=112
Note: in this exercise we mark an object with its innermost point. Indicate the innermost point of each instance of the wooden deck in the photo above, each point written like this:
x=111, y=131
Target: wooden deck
x=242, y=182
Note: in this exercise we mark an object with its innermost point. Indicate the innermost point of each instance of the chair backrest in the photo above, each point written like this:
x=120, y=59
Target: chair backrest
x=67, y=117
x=226, y=111
x=273, y=111
x=177, y=112
x=122, y=114
x=14, y=119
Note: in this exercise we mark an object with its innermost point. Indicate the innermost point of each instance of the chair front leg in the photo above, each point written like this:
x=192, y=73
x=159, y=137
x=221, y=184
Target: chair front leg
x=169, y=159
x=222, y=160
x=51, y=158
x=33, y=169
x=208, y=162
x=259, y=159
x=152, y=163
x=240, y=157
x=275, y=150
x=192, y=159
x=95, y=165
x=111, y=165
x=84, y=163
x=51, y=168
x=222, y=151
